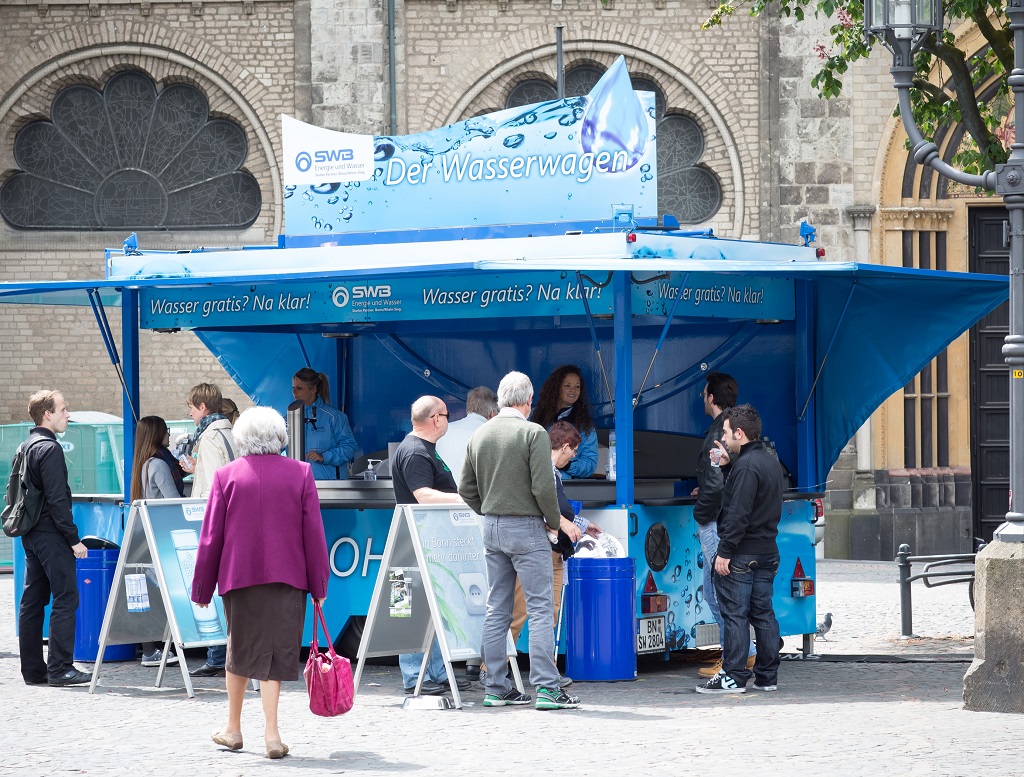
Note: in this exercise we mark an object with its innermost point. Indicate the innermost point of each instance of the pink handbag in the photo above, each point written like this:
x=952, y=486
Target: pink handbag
x=328, y=677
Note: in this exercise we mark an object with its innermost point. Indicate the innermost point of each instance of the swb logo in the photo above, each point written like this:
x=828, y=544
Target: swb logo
x=303, y=160
x=341, y=295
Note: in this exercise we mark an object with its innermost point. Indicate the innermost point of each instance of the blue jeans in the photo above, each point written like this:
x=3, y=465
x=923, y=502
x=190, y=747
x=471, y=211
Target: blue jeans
x=709, y=547
x=410, y=664
x=518, y=546
x=745, y=599
x=217, y=655
x=50, y=570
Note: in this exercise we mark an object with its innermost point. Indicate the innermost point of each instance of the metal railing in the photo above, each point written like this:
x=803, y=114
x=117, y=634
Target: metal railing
x=930, y=578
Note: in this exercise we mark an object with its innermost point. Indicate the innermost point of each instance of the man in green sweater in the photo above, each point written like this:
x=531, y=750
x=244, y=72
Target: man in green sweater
x=507, y=478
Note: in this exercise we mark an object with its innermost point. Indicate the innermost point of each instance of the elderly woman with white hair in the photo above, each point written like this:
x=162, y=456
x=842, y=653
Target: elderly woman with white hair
x=262, y=545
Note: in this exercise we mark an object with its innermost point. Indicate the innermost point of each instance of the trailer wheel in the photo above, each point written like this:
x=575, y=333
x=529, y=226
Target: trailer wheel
x=347, y=643
x=970, y=593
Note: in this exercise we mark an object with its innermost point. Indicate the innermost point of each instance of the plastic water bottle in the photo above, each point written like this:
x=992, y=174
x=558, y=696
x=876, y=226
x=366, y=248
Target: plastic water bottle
x=610, y=468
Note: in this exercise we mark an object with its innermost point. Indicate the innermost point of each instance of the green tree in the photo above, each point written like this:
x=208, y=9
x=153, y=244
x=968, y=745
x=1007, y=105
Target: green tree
x=933, y=106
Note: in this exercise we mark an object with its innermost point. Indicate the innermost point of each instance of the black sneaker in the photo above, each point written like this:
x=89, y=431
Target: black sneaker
x=721, y=683
x=509, y=699
x=71, y=677
x=556, y=699
x=472, y=672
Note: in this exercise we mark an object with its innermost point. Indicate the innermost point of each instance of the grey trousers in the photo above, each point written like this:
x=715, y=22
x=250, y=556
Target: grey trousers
x=518, y=546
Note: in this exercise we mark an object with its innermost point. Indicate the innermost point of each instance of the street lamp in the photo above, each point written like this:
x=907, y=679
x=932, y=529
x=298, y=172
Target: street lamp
x=995, y=680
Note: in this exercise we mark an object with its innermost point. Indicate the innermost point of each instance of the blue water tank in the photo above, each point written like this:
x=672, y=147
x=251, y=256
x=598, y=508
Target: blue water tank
x=601, y=619
x=95, y=579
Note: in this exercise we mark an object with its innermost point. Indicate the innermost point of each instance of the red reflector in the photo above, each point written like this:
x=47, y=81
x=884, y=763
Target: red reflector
x=819, y=252
x=631, y=237
x=650, y=587
x=798, y=570
x=819, y=508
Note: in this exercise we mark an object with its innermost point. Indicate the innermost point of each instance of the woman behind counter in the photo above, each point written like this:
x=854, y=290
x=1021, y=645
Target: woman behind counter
x=563, y=397
x=329, y=441
x=262, y=546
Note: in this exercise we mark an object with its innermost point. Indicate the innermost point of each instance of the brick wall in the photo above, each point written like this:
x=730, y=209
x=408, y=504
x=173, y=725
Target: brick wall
x=241, y=56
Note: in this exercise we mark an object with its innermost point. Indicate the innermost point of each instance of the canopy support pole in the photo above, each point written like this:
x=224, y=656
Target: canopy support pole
x=593, y=337
x=835, y=334
x=661, y=340
x=302, y=349
x=129, y=378
x=623, y=328
x=108, y=341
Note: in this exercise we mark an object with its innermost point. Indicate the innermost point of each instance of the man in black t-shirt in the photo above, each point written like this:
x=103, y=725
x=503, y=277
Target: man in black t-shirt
x=420, y=476
x=418, y=473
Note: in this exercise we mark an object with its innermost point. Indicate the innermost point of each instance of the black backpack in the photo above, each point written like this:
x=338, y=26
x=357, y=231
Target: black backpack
x=24, y=499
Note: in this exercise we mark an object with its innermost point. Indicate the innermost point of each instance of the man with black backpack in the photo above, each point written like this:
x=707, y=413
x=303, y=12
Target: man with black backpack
x=51, y=547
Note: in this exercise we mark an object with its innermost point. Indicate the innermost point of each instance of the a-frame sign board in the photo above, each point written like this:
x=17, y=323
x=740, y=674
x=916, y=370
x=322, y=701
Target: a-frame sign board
x=150, y=600
x=432, y=581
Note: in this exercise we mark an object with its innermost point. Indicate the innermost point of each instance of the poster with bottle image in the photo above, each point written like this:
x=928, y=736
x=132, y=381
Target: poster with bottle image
x=176, y=527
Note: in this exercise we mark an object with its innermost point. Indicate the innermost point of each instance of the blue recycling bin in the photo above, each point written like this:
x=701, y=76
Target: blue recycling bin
x=95, y=579
x=601, y=619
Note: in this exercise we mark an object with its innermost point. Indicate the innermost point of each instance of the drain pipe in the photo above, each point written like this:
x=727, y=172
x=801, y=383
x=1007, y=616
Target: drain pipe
x=392, y=98
x=559, y=64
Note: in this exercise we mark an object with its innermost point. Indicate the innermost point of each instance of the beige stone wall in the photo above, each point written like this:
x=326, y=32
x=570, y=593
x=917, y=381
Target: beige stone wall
x=464, y=58
x=241, y=56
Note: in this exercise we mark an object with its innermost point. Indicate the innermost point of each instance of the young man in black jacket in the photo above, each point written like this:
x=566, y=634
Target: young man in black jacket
x=720, y=393
x=51, y=548
x=748, y=556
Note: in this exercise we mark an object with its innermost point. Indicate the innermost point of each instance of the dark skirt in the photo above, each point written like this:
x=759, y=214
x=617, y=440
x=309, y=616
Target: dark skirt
x=265, y=631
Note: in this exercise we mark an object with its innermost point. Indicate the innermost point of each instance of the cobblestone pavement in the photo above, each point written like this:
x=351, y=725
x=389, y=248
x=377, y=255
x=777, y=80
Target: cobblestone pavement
x=852, y=718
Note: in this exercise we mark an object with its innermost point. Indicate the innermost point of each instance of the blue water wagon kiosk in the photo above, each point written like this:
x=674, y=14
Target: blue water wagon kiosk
x=524, y=240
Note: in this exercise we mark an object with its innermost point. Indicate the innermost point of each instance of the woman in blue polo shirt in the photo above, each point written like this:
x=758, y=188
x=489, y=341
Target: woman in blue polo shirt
x=330, y=445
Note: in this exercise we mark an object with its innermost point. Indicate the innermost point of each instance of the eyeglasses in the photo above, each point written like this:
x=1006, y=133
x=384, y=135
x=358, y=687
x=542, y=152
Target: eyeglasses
x=443, y=415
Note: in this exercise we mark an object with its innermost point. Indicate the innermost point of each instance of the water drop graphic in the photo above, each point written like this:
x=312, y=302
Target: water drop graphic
x=289, y=191
x=347, y=216
x=615, y=121
x=332, y=200
x=344, y=196
x=645, y=168
x=568, y=120
x=384, y=150
x=513, y=141
x=689, y=575
x=652, y=113
x=307, y=196
x=325, y=188
x=550, y=135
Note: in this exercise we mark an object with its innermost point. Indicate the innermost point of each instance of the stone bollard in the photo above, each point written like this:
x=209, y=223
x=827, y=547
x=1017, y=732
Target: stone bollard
x=995, y=680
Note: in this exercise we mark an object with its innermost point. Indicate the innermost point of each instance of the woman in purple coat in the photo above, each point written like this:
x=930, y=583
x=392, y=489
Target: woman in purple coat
x=262, y=546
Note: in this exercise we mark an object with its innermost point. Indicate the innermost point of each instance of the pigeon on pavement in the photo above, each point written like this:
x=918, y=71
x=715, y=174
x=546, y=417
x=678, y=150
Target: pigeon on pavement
x=824, y=627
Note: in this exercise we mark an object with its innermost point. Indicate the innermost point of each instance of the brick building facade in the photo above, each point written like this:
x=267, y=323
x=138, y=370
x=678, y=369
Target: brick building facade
x=778, y=152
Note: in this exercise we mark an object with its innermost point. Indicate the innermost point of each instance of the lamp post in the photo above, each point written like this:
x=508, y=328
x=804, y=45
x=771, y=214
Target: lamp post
x=995, y=681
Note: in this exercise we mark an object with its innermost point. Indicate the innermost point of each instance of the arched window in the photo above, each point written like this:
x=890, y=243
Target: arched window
x=580, y=80
x=529, y=92
x=686, y=189
x=130, y=157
